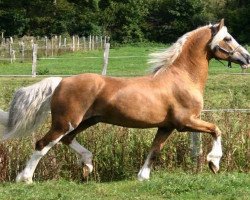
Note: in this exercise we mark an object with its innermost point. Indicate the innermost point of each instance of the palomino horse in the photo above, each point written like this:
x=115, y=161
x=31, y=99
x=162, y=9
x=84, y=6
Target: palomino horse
x=169, y=98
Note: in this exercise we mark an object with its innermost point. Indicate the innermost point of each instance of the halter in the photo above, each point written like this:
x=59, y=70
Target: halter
x=226, y=51
x=230, y=53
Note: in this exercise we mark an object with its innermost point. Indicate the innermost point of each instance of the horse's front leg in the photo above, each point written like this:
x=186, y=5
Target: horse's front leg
x=198, y=125
x=158, y=143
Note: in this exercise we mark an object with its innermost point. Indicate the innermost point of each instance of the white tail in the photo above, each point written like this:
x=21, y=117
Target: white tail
x=28, y=109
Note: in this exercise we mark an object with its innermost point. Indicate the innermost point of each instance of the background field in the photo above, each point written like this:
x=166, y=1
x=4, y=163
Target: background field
x=120, y=152
x=123, y=61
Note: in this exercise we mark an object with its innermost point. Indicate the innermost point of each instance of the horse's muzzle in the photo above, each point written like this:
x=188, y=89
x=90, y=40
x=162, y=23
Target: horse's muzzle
x=241, y=58
x=246, y=63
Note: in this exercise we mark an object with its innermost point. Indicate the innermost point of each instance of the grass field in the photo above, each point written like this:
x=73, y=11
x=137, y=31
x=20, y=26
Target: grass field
x=120, y=157
x=163, y=185
x=123, y=61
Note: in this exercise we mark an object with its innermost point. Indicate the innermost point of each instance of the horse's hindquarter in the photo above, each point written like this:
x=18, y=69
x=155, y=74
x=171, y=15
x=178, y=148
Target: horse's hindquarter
x=73, y=99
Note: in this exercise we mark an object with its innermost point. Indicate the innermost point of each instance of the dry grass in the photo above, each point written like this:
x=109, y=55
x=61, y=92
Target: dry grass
x=119, y=152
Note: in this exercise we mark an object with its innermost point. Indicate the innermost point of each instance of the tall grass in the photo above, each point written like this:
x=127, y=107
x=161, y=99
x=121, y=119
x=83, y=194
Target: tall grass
x=120, y=152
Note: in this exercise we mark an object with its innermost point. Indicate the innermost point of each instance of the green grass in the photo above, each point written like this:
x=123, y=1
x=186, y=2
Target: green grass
x=162, y=185
x=123, y=61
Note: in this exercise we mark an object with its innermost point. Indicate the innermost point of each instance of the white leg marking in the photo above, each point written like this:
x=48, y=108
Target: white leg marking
x=85, y=154
x=144, y=173
x=27, y=174
x=215, y=155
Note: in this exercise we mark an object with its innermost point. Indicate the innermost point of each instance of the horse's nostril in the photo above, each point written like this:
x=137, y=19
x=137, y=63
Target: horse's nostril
x=248, y=59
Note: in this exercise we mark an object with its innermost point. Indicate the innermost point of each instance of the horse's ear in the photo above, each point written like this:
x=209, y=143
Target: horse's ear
x=215, y=28
x=221, y=24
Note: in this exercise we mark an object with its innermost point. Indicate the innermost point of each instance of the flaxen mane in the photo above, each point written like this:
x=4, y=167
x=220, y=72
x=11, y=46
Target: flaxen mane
x=163, y=59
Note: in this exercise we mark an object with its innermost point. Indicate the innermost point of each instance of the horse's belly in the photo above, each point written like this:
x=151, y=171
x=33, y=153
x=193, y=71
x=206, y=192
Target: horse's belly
x=133, y=123
x=136, y=117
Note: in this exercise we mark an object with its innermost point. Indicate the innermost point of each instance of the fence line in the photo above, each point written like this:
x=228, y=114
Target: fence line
x=230, y=110
x=97, y=57
x=12, y=50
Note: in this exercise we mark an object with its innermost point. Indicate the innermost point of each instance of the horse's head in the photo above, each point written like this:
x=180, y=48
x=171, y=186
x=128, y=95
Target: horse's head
x=225, y=47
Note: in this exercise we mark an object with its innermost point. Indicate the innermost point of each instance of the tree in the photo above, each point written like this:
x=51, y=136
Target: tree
x=168, y=19
x=123, y=20
x=238, y=19
x=13, y=18
x=85, y=20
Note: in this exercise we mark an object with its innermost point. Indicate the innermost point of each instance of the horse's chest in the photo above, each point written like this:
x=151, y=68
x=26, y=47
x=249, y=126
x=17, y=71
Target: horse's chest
x=190, y=99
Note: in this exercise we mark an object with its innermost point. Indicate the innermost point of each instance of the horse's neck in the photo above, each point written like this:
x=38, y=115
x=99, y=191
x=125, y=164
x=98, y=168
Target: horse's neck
x=194, y=59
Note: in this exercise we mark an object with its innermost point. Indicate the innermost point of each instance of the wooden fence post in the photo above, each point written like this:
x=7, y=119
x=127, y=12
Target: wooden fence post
x=32, y=42
x=13, y=55
x=78, y=43
x=96, y=42
x=105, y=58
x=196, y=149
x=52, y=46
x=34, y=60
x=22, y=51
x=10, y=51
x=73, y=43
x=84, y=43
x=59, y=42
x=46, y=46
x=90, y=40
x=56, y=45
x=93, y=43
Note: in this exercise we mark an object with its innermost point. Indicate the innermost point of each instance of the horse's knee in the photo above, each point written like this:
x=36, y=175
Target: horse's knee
x=217, y=132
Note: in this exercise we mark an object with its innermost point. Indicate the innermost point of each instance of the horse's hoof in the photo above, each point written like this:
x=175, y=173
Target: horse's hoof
x=213, y=168
x=21, y=178
x=143, y=174
x=141, y=178
x=86, y=170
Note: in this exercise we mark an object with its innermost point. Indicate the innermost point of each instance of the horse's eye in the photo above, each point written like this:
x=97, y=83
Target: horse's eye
x=227, y=39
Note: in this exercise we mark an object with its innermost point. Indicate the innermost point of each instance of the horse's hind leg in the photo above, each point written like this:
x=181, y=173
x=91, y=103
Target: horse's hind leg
x=158, y=143
x=42, y=147
x=85, y=156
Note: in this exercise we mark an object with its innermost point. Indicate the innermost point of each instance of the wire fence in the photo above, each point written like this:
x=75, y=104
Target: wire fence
x=20, y=49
